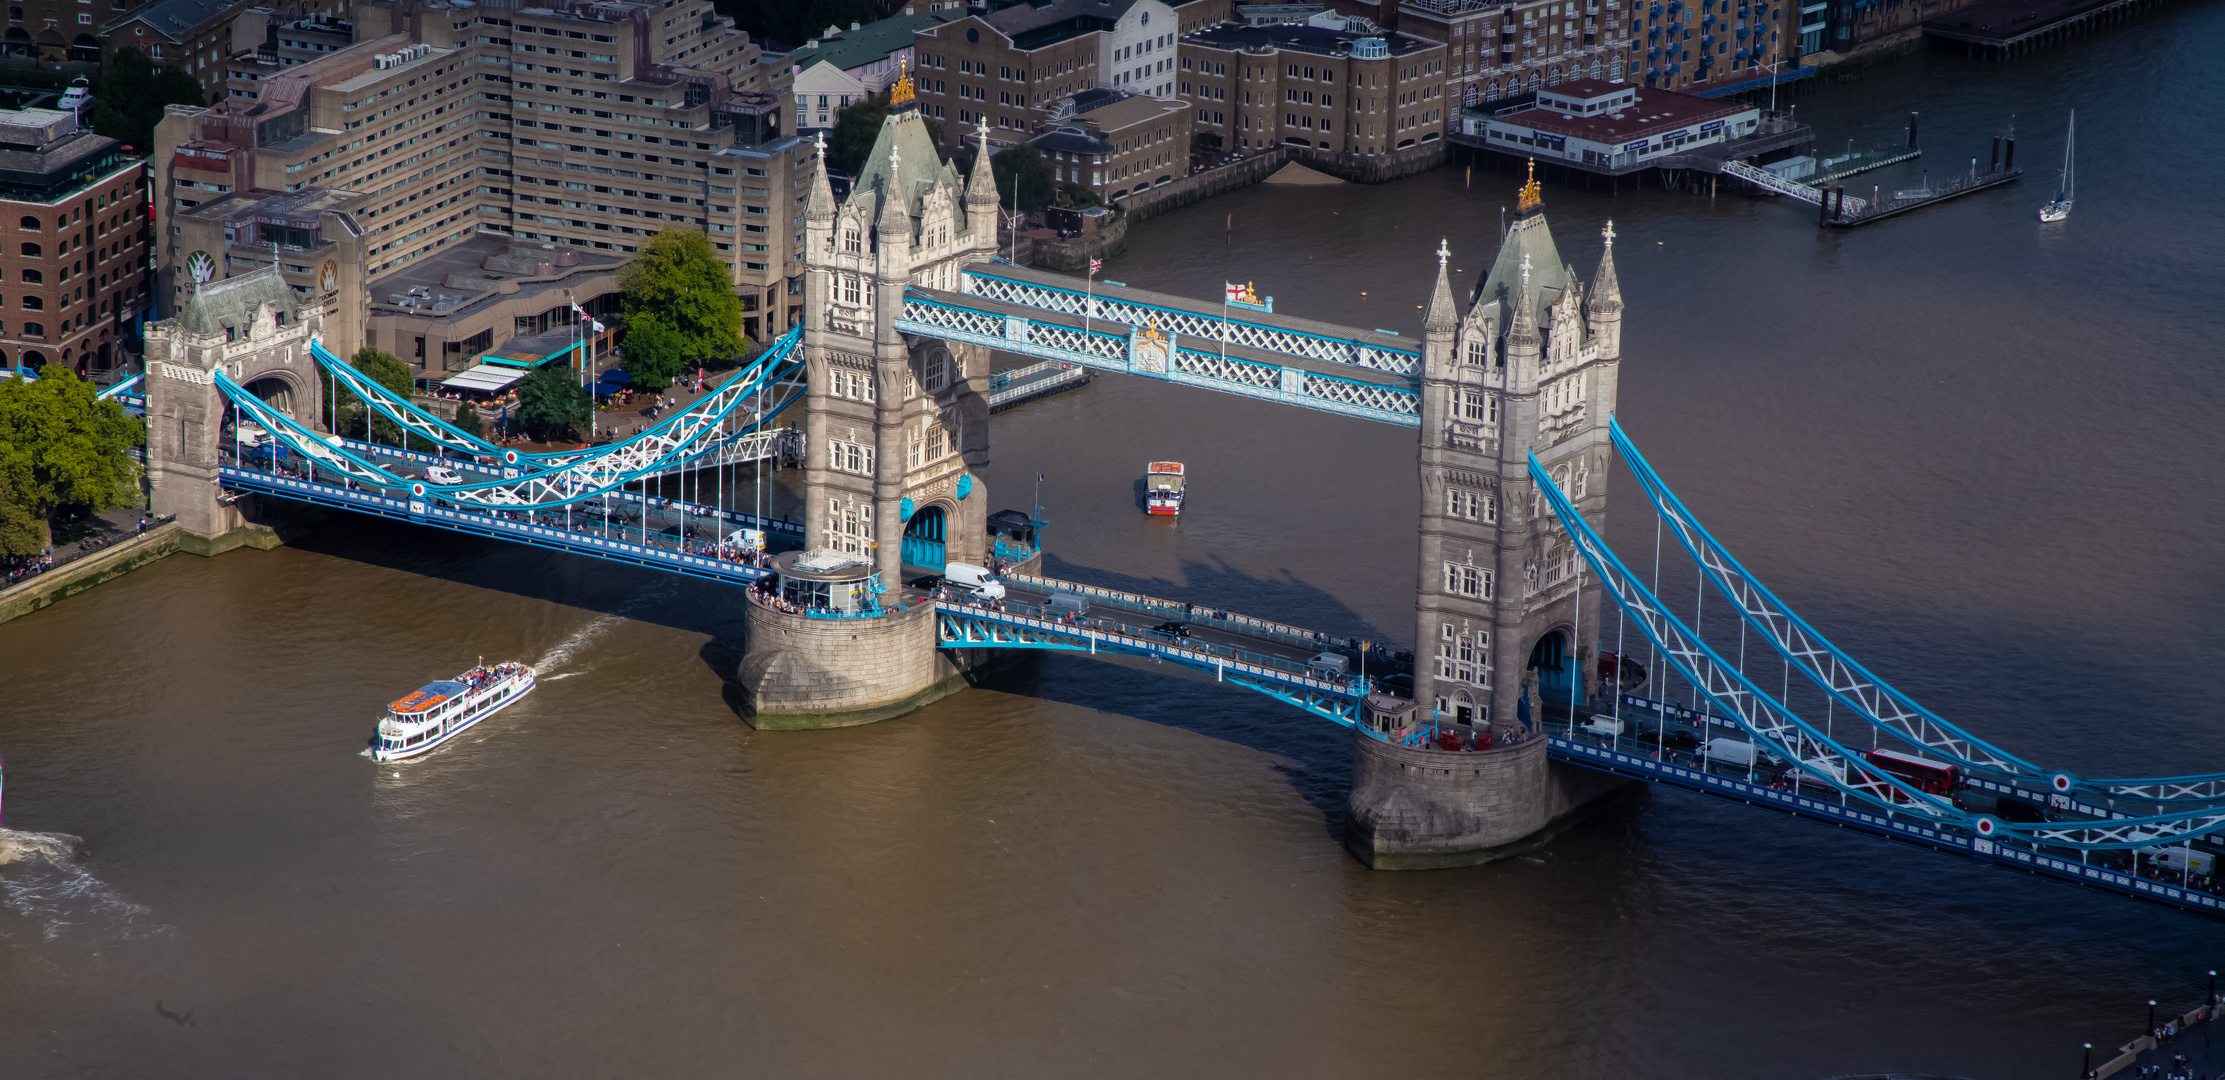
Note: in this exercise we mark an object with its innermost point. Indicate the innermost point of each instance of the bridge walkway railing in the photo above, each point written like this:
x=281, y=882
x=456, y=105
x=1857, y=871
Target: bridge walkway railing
x=1218, y=618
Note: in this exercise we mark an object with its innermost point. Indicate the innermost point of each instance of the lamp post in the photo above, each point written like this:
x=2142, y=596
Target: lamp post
x=2086, y=1070
x=2151, y=1016
x=2211, y=1000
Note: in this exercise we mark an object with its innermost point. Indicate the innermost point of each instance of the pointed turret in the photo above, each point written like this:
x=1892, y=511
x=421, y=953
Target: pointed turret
x=1604, y=312
x=1606, y=292
x=1523, y=341
x=1443, y=317
x=981, y=194
x=821, y=206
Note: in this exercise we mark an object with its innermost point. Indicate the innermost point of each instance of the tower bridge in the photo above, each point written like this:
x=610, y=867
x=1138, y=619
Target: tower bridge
x=1517, y=717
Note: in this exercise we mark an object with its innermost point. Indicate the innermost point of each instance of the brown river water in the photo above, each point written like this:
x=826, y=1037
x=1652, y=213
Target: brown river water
x=1983, y=455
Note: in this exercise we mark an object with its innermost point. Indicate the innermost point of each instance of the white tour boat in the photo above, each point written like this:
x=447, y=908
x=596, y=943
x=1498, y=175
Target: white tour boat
x=442, y=710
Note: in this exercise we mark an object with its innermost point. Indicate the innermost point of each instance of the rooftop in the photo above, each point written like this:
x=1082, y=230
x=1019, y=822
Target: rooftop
x=1035, y=23
x=450, y=280
x=177, y=19
x=1654, y=111
x=848, y=49
x=1131, y=110
x=1317, y=40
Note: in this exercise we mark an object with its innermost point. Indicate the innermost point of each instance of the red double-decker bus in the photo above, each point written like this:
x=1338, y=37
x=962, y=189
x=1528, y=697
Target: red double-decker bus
x=1921, y=773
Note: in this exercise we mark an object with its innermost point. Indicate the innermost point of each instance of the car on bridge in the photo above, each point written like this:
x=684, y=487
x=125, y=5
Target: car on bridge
x=927, y=582
x=1172, y=630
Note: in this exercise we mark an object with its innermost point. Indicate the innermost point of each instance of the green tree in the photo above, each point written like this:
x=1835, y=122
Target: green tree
x=1021, y=167
x=467, y=420
x=680, y=297
x=130, y=95
x=60, y=446
x=1078, y=197
x=855, y=129
x=552, y=404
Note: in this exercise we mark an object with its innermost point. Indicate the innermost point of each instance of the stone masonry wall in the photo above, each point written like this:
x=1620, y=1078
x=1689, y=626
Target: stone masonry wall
x=805, y=673
x=1426, y=809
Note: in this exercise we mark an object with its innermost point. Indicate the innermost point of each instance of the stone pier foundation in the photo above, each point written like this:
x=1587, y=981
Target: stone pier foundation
x=1429, y=809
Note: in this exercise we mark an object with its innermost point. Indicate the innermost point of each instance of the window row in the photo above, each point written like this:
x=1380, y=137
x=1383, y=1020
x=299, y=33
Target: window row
x=850, y=457
x=1464, y=656
x=849, y=526
x=1472, y=506
x=854, y=385
x=1462, y=579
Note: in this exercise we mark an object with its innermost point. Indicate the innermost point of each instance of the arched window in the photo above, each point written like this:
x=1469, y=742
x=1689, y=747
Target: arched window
x=1614, y=70
x=15, y=14
x=29, y=222
x=32, y=251
x=32, y=329
x=1491, y=92
x=33, y=303
x=33, y=276
x=1595, y=68
x=1554, y=79
x=1533, y=82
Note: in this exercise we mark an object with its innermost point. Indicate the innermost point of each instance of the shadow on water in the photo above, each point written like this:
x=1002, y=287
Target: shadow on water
x=1313, y=755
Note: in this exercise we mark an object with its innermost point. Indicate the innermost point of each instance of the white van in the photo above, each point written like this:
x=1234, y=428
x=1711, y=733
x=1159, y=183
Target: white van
x=1329, y=663
x=442, y=474
x=2181, y=859
x=1605, y=725
x=1738, y=752
x=974, y=579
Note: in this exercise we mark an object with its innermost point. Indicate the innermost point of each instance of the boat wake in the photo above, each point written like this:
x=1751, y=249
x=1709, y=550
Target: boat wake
x=44, y=883
x=561, y=653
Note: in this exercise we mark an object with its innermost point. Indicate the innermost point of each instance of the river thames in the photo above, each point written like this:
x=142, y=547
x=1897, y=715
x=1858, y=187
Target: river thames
x=1981, y=454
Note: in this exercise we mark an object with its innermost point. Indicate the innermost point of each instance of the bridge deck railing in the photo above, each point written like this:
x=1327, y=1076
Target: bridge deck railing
x=1174, y=610
x=1131, y=637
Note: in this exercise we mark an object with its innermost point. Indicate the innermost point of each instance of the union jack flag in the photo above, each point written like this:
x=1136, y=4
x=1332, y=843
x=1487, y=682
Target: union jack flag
x=1095, y=265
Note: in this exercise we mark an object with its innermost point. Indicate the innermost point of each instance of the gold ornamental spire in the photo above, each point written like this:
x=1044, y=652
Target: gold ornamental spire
x=1532, y=196
x=901, y=93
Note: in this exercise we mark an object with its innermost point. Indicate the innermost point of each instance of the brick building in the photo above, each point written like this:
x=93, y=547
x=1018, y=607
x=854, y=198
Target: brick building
x=1011, y=62
x=1115, y=144
x=73, y=242
x=1501, y=50
x=454, y=180
x=199, y=37
x=1355, y=93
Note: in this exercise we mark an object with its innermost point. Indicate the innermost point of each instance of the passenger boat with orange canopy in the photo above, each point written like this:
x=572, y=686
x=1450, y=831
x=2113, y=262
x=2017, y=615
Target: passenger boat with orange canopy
x=1162, y=488
x=440, y=711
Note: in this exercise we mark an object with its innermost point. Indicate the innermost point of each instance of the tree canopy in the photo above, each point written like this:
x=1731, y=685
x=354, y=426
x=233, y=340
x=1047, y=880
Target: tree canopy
x=1021, y=167
x=131, y=93
x=681, y=310
x=552, y=404
x=60, y=446
x=387, y=371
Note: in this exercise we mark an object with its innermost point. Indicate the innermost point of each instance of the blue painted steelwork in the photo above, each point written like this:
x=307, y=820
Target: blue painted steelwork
x=1771, y=725
x=932, y=316
x=131, y=387
x=1864, y=695
x=923, y=540
x=966, y=626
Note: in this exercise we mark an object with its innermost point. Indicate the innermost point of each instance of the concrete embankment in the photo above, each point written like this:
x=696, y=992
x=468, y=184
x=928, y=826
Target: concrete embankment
x=121, y=558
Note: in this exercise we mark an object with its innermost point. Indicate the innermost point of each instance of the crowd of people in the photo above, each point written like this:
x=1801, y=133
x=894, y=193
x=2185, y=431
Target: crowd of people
x=26, y=567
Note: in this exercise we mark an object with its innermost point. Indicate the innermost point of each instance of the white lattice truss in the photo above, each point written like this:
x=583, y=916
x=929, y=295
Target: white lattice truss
x=1774, y=726
x=1109, y=350
x=1806, y=193
x=1197, y=326
x=785, y=445
x=690, y=435
x=762, y=376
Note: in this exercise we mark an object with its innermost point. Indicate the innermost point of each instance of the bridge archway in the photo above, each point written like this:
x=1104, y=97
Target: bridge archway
x=926, y=539
x=276, y=389
x=1555, y=665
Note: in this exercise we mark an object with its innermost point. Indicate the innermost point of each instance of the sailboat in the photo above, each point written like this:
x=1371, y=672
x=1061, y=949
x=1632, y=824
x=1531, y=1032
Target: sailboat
x=2060, y=207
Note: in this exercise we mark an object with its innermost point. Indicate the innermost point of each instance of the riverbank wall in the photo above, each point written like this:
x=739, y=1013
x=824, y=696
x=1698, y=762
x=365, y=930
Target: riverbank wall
x=108, y=564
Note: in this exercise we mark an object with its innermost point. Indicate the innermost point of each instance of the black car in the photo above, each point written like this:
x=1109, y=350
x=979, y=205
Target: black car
x=927, y=582
x=1179, y=631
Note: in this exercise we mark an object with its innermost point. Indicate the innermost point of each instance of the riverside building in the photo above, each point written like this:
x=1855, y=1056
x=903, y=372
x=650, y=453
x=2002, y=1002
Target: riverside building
x=463, y=174
x=1355, y=93
x=1115, y=144
x=1611, y=128
x=1008, y=63
x=73, y=243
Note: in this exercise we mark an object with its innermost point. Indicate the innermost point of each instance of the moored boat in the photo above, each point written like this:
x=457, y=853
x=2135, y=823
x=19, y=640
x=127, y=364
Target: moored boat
x=2058, y=208
x=439, y=711
x=1162, y=488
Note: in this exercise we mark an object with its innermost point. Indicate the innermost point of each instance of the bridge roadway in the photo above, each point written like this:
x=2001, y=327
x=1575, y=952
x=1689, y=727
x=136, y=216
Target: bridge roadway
x=620, y=526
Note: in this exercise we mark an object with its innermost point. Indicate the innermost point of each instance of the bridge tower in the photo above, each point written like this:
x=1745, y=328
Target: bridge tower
x=254, y=330
x=1502, y=615
x=897, y=429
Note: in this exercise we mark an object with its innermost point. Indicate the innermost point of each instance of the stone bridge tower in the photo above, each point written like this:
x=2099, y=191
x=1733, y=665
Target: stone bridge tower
x=897, y=429
x=1501, y=621
x=254, y=330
